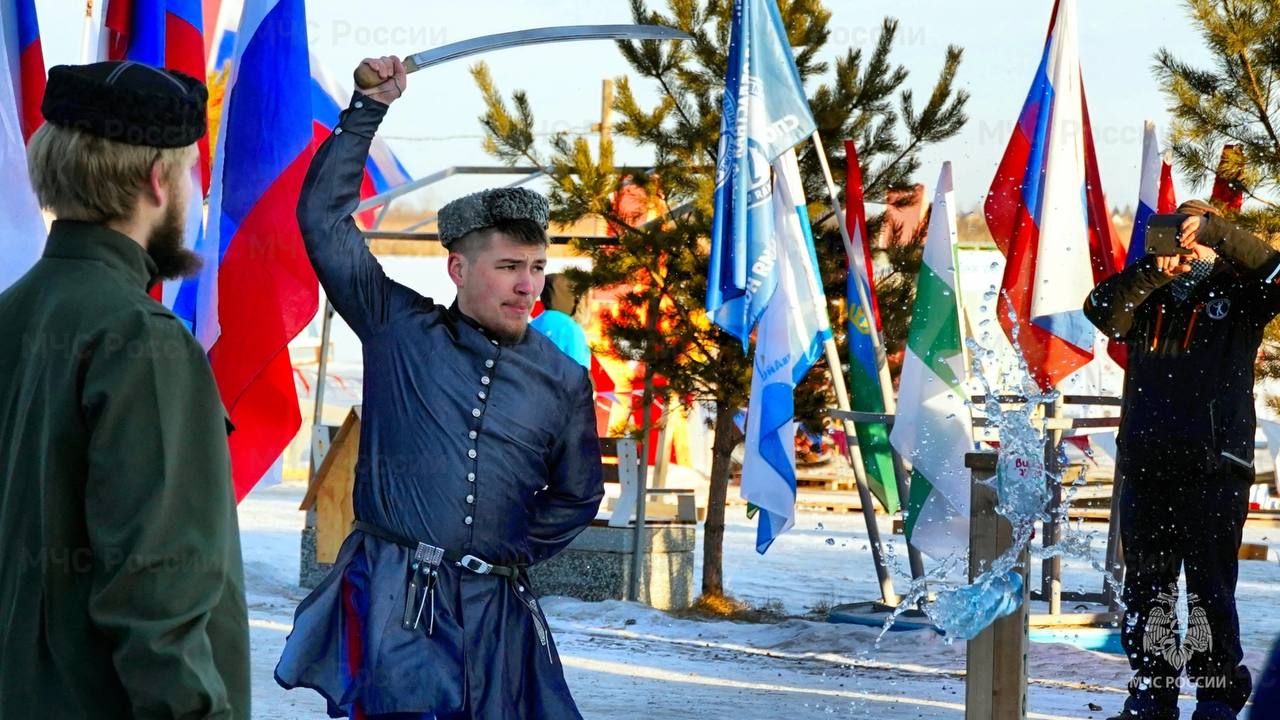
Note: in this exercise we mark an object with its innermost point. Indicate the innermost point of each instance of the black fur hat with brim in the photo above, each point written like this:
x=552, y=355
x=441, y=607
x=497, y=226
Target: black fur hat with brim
x=127, y=102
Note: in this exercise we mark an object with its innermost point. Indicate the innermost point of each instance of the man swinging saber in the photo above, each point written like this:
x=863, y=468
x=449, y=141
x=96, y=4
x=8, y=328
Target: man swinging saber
x=478, y=452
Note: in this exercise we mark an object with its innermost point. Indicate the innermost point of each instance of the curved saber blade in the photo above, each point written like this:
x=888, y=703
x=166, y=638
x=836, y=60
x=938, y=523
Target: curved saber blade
x=535, y=36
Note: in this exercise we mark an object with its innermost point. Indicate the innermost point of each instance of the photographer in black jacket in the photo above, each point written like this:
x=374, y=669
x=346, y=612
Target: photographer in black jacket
x=1193, y=324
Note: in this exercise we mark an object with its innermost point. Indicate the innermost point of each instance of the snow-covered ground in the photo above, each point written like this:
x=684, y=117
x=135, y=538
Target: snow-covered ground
x=628, y=661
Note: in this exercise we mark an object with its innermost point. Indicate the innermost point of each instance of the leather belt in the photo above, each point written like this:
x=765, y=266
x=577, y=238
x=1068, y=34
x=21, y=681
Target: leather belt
x=425, y=553
x=423, y=577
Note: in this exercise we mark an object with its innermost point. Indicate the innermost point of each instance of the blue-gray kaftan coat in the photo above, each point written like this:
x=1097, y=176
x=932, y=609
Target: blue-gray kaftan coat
x=468, y=444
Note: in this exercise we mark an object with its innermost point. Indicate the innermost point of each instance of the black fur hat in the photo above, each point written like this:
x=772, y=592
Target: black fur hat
x=127, y=102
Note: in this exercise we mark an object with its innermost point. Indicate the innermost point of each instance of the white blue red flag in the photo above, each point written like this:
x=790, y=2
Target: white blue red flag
x=1155, y=191
x=22, y=230
x=168, y=34
x=222, y=34
x=1048, y=215
x=267, y=291
x=383, y=171
x=25, y=56
x=1155, y=195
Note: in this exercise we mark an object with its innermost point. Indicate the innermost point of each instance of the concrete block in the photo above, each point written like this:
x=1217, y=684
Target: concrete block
x=310, y=572
x=597, y=566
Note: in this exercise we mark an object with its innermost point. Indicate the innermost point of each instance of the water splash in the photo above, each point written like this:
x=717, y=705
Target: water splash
x=1022, y=496
x=1023, y=490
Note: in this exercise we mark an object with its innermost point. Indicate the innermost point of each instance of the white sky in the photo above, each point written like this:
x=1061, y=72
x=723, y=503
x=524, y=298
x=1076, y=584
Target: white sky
x=436, y=126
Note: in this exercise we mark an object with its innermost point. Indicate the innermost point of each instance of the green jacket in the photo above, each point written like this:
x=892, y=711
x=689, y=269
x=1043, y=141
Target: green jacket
x=121, y=585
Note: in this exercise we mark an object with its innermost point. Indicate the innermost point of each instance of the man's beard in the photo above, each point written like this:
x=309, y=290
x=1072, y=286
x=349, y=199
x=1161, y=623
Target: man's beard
x=167, y=248
x=509, y=336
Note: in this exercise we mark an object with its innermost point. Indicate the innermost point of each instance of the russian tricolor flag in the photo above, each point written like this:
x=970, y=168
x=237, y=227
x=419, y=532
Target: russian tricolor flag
x=267, y=291
x=383, y=170
x=222, y=35
x=22, y=230
x=26, y=61
x=168, y=34
x=1155, y=192
x=1155, y=195
x=162, y=33
x=1048, y=215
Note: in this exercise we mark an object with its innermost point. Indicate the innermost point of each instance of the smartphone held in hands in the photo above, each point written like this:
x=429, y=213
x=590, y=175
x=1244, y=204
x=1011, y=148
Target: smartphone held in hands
x=1164, y=232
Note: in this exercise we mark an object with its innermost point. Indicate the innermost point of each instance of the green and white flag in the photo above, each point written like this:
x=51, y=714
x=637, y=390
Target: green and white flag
x=933, y=429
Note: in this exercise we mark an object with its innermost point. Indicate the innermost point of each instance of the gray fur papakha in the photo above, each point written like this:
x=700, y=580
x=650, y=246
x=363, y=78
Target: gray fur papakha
x=488, y=208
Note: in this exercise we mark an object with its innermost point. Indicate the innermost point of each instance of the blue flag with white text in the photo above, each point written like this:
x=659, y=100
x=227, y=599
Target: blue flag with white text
x=765, y=112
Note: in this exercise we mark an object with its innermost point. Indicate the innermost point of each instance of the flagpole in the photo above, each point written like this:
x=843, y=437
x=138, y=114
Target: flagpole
x=886, y=382
x=88, y=36
x=888, y=595
x=887, y=592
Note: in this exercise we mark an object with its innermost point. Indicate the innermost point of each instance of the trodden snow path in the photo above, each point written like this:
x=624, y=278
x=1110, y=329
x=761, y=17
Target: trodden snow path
x=628, y=661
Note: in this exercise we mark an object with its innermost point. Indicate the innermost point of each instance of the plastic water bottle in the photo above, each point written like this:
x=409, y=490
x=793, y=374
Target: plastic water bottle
x=968, y=610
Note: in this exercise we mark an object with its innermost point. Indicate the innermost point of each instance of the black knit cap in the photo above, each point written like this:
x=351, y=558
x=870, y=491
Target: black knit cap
x=127, y=102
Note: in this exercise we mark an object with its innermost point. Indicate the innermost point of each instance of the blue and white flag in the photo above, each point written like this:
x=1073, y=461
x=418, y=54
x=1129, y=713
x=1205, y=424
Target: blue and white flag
x=765, y=112
x=790, y=340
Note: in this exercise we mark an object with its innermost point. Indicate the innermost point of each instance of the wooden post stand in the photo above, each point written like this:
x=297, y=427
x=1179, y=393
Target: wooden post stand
x=996, y=665
x=1051, y=572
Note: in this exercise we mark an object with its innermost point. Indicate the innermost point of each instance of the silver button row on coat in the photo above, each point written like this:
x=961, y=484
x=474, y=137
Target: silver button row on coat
x=476, y=412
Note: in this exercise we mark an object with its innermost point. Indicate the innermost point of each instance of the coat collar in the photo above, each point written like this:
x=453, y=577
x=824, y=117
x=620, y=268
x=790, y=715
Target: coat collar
x=74, y=240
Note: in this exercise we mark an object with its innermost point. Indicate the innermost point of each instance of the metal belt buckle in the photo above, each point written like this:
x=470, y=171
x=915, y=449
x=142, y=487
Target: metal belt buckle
x=475, y=565
x=429, y=555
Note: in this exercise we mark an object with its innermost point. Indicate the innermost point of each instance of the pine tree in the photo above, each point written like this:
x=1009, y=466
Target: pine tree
x=1233, y=101
x=665, y=261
